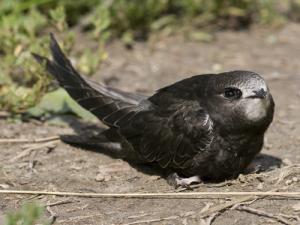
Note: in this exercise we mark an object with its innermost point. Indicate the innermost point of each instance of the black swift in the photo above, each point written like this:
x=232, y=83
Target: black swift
x=204, y=127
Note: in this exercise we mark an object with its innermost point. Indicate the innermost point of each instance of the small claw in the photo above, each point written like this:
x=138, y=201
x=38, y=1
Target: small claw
x=175, y=180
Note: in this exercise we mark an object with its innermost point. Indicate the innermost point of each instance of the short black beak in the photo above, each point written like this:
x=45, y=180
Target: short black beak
x=259, y=94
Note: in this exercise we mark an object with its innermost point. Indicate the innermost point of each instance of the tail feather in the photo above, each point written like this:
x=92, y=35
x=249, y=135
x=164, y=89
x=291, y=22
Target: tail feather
x=108, y=104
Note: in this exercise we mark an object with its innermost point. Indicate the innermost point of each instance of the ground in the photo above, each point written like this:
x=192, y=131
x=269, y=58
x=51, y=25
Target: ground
x=148, y=66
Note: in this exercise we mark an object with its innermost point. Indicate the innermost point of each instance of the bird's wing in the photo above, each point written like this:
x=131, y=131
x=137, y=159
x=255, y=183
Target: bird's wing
x=170, y=135
x=108, y=104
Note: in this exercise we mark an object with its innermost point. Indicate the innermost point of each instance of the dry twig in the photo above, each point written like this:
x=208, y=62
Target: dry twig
x=27, y=151
x=138, y=216
x=77, y=218
x=295, y=217
x=265, y=214
x=53, y=215
x=59, y=203
x=77, y=208
x=28, y=140
x=209, y=220
x=152, y=220
x=221, y=207
x=192, y=195
x=209, y=213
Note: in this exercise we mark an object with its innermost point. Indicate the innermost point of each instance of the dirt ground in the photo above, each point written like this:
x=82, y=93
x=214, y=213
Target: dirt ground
x=148, y=66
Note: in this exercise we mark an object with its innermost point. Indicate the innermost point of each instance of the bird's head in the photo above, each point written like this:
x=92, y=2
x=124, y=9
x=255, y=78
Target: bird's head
x=241, y=99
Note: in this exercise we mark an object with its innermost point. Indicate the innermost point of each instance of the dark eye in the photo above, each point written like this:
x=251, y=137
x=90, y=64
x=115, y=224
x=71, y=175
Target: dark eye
x=232, y=93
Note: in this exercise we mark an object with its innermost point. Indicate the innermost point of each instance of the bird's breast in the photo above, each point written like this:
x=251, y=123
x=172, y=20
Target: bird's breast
x=228, y=156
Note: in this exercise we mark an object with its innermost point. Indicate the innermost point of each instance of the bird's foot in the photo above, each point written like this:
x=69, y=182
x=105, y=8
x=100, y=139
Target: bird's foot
x=253, y=167
x=175, y=180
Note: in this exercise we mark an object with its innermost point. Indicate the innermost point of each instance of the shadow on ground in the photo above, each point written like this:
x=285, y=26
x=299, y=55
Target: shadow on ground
x=91, y=137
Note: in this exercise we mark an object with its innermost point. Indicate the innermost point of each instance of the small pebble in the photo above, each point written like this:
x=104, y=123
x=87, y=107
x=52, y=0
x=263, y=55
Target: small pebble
x=99, y=177
x=260, y=186
x=102, y=177
x=288, y=182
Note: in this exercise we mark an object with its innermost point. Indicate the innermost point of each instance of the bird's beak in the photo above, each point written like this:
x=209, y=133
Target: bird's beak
x=259, y=94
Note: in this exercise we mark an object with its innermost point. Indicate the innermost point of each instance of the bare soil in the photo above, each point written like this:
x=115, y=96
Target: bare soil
x=275, y=54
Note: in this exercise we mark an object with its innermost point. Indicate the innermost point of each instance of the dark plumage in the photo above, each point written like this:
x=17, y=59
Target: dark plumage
x=209, y=126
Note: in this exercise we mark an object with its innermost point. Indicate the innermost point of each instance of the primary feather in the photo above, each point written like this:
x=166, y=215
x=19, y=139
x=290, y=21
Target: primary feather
x=108, y=104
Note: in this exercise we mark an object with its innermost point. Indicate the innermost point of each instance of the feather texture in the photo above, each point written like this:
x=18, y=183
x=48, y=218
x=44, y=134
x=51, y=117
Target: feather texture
x=192, y=126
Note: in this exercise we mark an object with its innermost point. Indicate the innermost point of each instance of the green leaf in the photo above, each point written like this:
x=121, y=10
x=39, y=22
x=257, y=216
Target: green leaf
x=58, y=102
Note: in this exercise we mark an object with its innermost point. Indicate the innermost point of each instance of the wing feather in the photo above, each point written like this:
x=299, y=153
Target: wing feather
x=108, y=104
x=172, y=138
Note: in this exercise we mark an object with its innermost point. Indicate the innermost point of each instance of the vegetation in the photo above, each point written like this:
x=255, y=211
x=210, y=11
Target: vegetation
x=25, y=23
x=29, y=214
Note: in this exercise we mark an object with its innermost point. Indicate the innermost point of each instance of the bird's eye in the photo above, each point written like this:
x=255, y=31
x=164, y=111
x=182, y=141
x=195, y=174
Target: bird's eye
x=232, y=93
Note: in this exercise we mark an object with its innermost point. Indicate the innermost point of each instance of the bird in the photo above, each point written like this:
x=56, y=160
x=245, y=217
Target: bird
x=204, y=127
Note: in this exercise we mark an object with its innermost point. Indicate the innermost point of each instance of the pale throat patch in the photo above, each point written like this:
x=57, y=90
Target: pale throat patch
x=256, y=109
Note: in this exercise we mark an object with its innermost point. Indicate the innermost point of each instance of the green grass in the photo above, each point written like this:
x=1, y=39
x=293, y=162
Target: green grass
x=29, y=214
x=24, y=25
x=24, y=28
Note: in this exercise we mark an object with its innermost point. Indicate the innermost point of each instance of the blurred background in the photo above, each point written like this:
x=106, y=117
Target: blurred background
x=101, y=36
